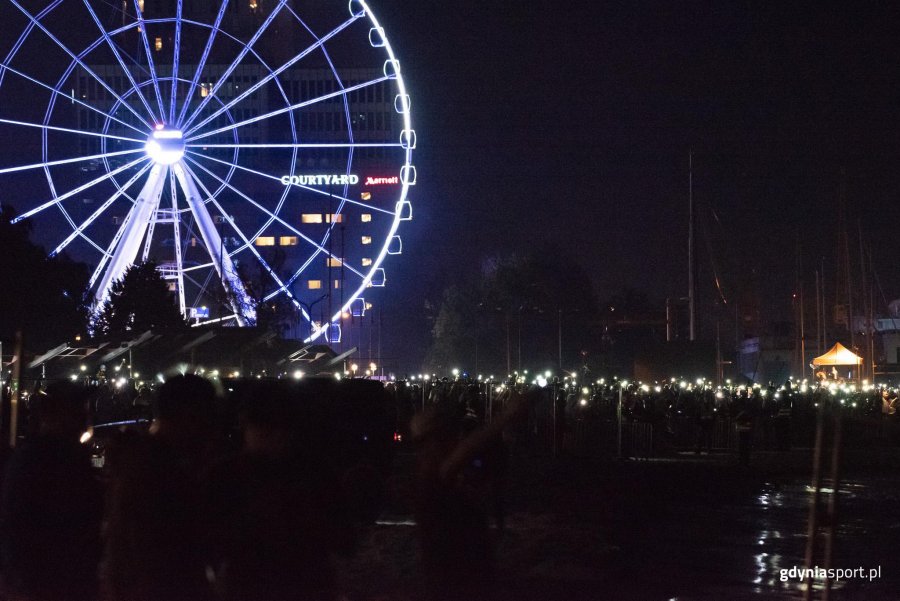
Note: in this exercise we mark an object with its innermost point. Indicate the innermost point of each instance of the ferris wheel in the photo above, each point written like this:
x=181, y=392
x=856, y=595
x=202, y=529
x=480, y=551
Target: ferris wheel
x=256, y=152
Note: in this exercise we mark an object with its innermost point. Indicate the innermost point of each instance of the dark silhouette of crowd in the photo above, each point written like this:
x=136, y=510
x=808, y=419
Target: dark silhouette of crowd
x=249, y=498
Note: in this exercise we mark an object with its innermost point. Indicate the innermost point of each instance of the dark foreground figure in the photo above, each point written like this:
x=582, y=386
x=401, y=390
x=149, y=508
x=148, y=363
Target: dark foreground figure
x=52, y=506
x=451, y=507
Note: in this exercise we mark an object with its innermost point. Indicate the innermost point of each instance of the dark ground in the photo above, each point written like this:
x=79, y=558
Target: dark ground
x=683, y=528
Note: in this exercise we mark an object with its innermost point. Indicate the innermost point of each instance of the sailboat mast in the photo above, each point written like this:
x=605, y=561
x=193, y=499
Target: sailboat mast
x=693, y=330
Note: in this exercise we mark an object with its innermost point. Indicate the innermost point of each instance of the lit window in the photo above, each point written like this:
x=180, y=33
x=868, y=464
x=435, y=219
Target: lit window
x=366, y=217
x=158, y=44
x=204, y=90
x=367, y=239
x=339, y=218
x=141, y=5
x=314, y=284
x=311, y=218
x=366, y=262
x=265, y=241
x=254, y=5
x=337, y=284
x=366, y=196
x=287, y=241
x=193, y=241
x=333, y=262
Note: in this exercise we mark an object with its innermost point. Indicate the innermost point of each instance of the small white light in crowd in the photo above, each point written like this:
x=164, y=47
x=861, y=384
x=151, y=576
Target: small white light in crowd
x=88, y=434
x=137, y=375
x=719, y=395
x=427, y=377
x=582, y=402
x=657, y=389
x=645, y=388
x=541, y=381
x=585, y=390
x=548, y=373
x=117, y=367
x=82, y=368
x=455, y=372
x=337, y=375
x=74, y=378
x=298, y=375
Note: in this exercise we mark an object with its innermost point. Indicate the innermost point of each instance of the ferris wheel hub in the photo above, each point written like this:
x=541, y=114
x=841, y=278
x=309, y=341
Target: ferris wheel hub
x=165, y=145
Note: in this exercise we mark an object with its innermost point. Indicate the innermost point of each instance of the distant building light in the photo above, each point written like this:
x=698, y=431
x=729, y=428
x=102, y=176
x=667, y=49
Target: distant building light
x=366, y=217
x=366, y=262
x=158, y=44
x=287, y=241
x=367, y=240
x=314, y=284
x=311, y=218
x=265, y=241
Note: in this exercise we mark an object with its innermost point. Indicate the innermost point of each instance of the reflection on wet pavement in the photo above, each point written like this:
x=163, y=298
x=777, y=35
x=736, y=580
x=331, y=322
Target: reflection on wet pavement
x=756, y=543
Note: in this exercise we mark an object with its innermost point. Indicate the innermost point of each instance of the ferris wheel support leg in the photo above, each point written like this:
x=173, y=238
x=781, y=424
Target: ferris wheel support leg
x=126, y=251
x=240, y=301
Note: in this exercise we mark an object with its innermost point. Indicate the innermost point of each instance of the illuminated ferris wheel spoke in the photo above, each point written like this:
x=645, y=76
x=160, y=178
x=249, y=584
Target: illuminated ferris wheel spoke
x=175, y=58
x=302, y=145
x=198, y=72
x=81, y=159
x=78, y=190
x=80, y=132
x=247, y=243
x=118, y=55
x=176, y=243
x=81, y=63
x=238, y=298
x=142, y=27
x=303, y=187
x=139, y=219
x=271, y=215
x=28, y=29
x=293, y=107
x=71, y=98
x=227, y=73
x=273, y=74
x=100, y=210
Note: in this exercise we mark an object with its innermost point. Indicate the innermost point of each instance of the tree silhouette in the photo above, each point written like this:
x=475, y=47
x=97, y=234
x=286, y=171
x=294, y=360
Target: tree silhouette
x=42, y=296
x=138, y=302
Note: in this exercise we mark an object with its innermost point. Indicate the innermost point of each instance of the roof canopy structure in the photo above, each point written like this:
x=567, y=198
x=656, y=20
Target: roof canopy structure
x=838, y=355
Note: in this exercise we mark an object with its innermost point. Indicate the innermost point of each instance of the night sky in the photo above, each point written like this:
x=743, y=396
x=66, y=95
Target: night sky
x=572, y=122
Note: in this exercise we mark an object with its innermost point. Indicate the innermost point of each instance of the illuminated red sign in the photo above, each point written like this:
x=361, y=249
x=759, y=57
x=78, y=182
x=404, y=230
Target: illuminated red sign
x=382, y=181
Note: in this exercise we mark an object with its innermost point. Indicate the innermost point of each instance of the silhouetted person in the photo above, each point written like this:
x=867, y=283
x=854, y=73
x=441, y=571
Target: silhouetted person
x=275, y=510
x=52, y=505
x=155, y=542
x=456, y=546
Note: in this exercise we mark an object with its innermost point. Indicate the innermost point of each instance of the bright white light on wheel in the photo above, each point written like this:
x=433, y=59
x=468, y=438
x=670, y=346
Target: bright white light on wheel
x=165, y=146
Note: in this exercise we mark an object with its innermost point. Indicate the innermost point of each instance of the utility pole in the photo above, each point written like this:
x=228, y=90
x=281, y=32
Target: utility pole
x=559, y=323
x=693, y=330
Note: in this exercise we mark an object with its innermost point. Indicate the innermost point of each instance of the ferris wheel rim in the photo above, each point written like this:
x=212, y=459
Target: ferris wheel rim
x=187, y=117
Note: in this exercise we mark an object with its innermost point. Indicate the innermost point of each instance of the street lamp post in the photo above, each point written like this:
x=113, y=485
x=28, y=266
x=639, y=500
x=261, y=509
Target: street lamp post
x=308, y=308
